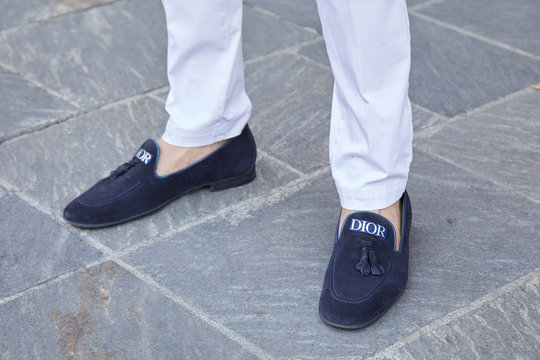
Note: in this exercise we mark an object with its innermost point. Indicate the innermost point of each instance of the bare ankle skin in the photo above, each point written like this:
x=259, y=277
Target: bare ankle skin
x=173, y=158
x=392, y=213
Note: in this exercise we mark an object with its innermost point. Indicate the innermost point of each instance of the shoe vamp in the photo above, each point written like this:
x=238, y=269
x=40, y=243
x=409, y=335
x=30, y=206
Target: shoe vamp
x=113, y=189
x=348, y=282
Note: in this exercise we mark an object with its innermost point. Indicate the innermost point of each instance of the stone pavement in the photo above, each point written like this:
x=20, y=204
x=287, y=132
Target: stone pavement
x=237, y=274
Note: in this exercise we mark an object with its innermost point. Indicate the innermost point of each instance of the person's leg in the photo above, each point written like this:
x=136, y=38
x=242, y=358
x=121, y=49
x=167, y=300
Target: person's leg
x=368, y=45
x=207, y=102
x=371, y=130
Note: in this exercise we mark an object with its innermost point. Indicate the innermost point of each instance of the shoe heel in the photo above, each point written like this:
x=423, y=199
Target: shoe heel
x=233, y=182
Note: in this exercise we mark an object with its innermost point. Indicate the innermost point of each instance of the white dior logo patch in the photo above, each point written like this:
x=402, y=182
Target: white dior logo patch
x=144, y=156
x=368, y=227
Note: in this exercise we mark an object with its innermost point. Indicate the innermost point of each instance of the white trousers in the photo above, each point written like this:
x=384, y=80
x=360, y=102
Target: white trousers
x=368, y=45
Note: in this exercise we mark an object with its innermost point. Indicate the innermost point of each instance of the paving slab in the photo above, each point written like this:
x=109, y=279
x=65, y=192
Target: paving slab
x=300, y=12
x=514, y=23
x=411, y=3
x=90, y=146
x=506, y=328
x=274, y=80
x=317, y=52
x=92, y=57
x=264, y=33
x=25, y=106
x=19, y=13
x=261, y=275
x=34, y=248
x=107, y=313
x=451, y=77
x=306, y=112
x=424, y=120
x=500, y=143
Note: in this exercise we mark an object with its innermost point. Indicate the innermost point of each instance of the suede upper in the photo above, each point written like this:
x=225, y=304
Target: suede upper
x=134, y=189
x=366, y=274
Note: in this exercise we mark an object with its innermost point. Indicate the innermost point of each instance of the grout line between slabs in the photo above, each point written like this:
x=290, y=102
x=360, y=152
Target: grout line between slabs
x=200, y=314
x=292, y=49
x=437, y=128
x=392, y=350
x=48, y=282
x=282, y=163
x=477, y=175
x=277, y=104
x=271, y=196
x=282, y=19
x=39, y=85
x=425, y=4
x=111, y=255
x=476, y=36
x=123, y=101
x=307, y=58
x=56, y=16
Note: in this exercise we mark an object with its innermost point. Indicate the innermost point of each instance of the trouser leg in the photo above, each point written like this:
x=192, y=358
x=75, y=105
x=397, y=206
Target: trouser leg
x=368, y=45
x=207, y=101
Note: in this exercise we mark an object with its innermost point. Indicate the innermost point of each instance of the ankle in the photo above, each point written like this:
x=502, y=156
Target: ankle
x=174, y=158
x=392, y=213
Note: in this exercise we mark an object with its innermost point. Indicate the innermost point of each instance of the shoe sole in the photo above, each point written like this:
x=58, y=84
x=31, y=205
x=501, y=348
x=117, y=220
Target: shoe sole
x=217, y=186
x=351, y=327
x=361, y=325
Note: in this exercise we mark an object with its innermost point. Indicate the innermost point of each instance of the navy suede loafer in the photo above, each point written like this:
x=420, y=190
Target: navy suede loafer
x=366, y=274
x=134, y=189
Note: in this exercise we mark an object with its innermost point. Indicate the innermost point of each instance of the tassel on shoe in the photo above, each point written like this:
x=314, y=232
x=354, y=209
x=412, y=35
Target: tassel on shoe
x=368, y=264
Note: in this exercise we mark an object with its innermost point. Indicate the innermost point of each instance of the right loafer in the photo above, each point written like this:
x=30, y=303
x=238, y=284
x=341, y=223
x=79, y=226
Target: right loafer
x=366, y=274
x=134, y=189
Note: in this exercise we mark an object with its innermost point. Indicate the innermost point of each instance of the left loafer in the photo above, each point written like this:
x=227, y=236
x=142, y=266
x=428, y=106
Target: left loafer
x=366, y=274
x=134, y=189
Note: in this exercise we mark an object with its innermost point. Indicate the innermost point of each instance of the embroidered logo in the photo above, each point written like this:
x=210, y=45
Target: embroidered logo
x=144, y=156
x=368, y=227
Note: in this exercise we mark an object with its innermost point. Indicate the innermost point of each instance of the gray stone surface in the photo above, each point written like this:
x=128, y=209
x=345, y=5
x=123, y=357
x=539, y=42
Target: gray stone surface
x=34, y=248
x=424, y=120
x=291, y=76
x=91, y=146
x=265, y=283
x=296, y=136
x=248, y=262
x=94, y=57
x=411, y=3
x=301, y=12
x=106, y=313
x=514, y=23
x=316, y=52
x=452, y=76
x=25, y=106
x=507, y=328
x=501, y=143
x=263, y=33
x=17, y=13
